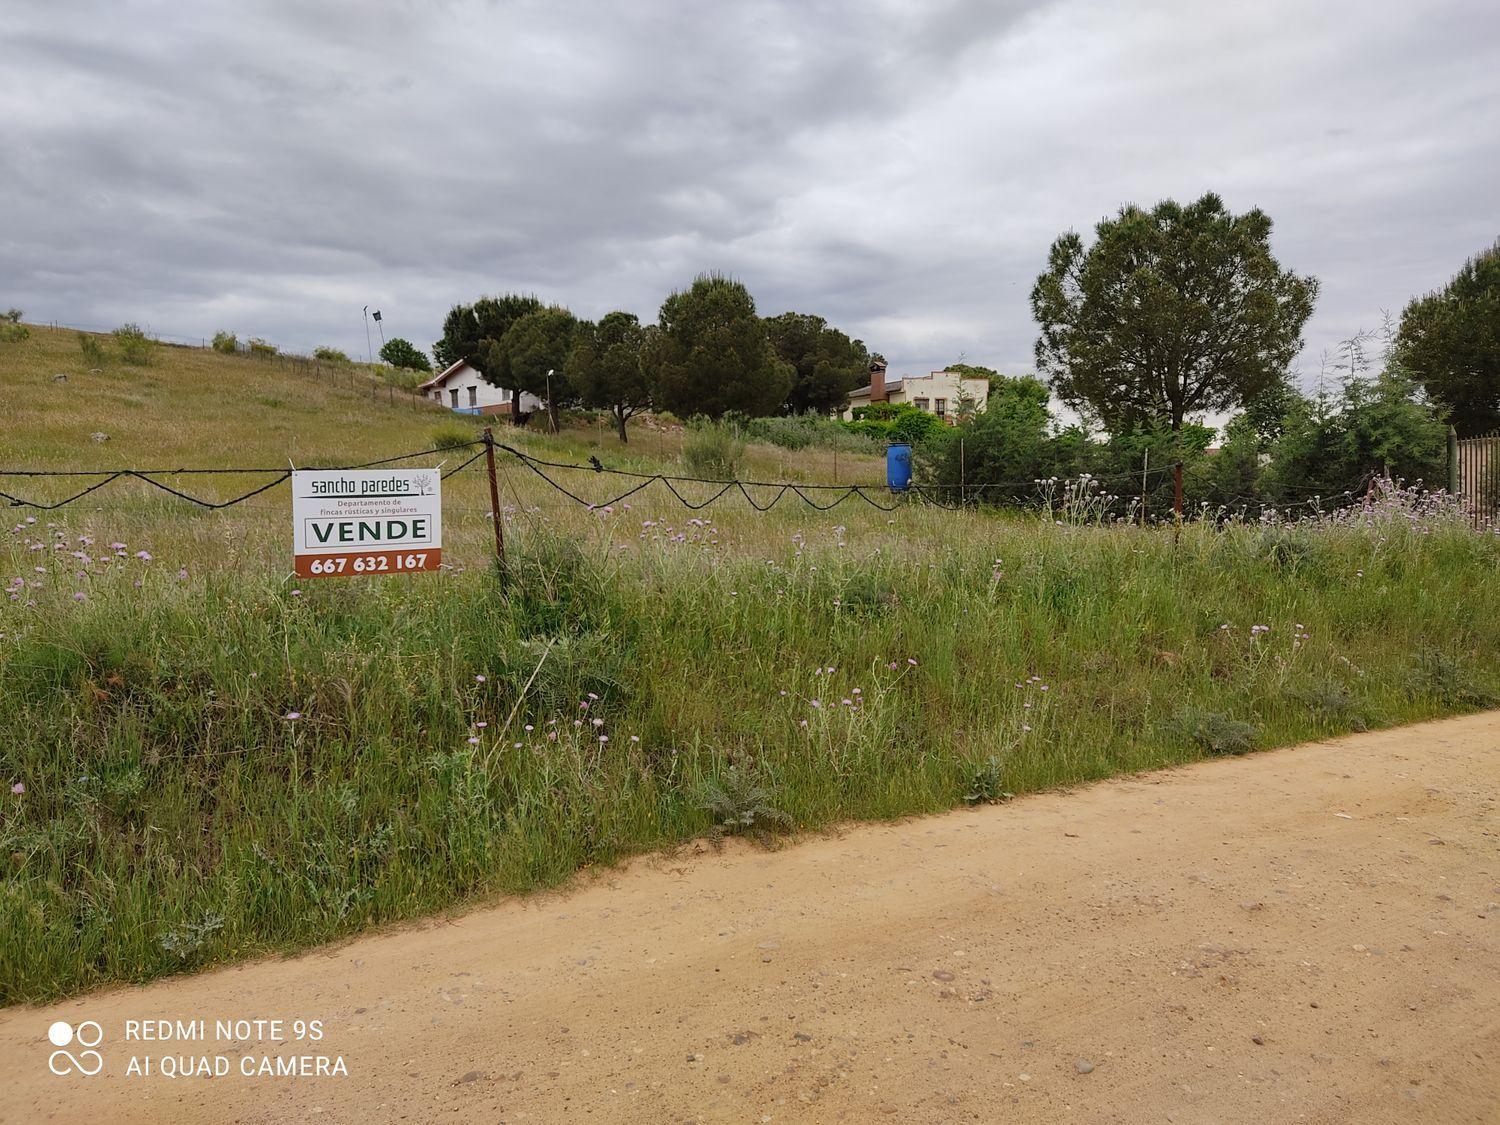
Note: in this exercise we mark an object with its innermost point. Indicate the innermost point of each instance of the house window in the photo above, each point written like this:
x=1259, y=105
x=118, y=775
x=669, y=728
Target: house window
x=920, y=403
x=942, y=408
x=473, y=396
x=454, y=394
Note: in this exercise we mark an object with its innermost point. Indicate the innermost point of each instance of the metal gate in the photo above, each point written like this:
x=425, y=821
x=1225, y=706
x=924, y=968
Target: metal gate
x=1479, y=477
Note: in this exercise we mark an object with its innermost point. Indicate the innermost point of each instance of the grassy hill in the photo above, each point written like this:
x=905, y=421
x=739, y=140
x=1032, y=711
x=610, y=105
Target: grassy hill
x=194, y=407
x=205, y=758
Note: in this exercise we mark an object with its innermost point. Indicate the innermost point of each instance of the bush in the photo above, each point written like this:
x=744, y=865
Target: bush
x=885, y=421
x=135, y=346
x=1213, y=731
x=1334, y=703
x=804, y=431
x=712, y=450
x=226, y=343
x=12, y=331
x=92, y=349
x=1448, y=680
x=452, y=436
x=330, y=355
x=260, y=349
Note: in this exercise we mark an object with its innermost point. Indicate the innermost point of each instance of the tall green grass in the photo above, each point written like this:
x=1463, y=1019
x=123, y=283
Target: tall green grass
x=210, y=762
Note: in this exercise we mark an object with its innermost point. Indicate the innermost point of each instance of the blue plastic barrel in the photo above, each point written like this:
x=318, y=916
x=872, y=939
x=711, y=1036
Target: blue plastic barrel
x=898, y=466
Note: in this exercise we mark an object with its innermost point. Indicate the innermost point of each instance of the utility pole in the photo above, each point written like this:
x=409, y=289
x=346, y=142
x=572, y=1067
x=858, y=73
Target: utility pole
x=368, y=358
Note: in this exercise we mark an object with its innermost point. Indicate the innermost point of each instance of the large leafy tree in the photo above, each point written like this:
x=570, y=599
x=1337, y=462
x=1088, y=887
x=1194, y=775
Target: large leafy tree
x=826, y=364
x=531, y=356
x=1171, y=312
x=711, y=353
x=1450, y=341
x=402, y=353
x=471, y=332
x=604, y=366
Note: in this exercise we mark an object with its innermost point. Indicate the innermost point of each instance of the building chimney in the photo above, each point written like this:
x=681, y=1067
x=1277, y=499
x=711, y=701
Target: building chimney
x=877, y=382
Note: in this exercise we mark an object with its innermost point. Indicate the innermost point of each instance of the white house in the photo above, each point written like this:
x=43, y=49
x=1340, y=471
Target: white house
x=937, y=393
x=465, y=390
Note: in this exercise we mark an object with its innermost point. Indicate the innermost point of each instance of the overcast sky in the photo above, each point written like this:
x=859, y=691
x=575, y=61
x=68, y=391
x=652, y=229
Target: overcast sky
x=898, y=167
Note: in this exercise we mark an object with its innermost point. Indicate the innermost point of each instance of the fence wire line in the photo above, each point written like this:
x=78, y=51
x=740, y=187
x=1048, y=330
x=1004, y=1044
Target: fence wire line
x=149, y=475
x=813, y=494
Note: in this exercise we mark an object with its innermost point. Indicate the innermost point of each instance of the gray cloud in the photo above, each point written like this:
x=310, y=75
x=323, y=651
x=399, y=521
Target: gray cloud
x=899, y=167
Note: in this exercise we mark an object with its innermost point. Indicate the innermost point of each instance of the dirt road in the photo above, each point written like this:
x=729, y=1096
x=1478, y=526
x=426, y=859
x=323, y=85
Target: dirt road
x=1306, y=935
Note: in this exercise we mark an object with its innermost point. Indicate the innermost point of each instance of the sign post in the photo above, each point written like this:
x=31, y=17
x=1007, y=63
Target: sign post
x=347, y=522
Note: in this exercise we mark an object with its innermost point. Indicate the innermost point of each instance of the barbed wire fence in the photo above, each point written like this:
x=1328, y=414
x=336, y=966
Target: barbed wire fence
x=1082, y=492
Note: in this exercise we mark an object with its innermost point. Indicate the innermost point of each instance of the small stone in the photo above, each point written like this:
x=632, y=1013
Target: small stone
x=1024, y=1077
x=1083, y=1066
x=942, y=974
x=1258, y=1040
x=1252, y=905
x=769, y=943
x=472, y=1076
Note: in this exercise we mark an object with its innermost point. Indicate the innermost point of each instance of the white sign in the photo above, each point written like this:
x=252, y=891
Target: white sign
x=366, y=521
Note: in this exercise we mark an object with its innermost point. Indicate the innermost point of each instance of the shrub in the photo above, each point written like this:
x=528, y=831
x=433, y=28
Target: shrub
x=92, y=349
x=12, y=331
x=901, y=421
x=135, y=346
x=803, y=431
x=452, y=435
x=330, y=355
x=1448, y=680
x=1334, y=703
x=226, y=343
x=712, y=450
x=260, y=349
x=1213, y=731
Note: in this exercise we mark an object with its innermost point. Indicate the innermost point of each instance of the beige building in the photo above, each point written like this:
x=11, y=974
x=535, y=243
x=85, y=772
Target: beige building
x=938, y=393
